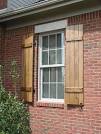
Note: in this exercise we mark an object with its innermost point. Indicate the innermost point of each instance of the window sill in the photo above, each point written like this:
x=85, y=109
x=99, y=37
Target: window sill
x=50, y=104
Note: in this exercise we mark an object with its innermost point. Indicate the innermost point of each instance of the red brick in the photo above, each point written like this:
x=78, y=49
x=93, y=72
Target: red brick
x=3, y=4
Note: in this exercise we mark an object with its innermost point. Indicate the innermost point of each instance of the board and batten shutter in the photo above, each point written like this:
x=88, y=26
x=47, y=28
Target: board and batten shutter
x=74, y=94
x=27, y=80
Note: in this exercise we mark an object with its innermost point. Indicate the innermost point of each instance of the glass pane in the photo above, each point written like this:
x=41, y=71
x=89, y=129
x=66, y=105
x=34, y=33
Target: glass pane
x=59, y=56
x=52, y=57
x=44, y=58
x=53, y=91
x=60, y=91
x=59, y=41
x=52, y=41
x=52, y=74
x=46, y=75
x=45, y=42
x=60, y=74
x=45, y=92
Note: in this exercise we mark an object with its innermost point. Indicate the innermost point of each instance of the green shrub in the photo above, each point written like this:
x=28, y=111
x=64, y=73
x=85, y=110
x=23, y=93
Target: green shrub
x=14, y=118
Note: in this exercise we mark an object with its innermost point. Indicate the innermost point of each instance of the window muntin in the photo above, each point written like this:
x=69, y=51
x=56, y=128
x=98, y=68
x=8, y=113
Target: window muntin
x=52, y=66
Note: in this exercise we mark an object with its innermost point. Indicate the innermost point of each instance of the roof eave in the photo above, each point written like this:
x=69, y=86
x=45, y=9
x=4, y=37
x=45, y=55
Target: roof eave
x=48, y=5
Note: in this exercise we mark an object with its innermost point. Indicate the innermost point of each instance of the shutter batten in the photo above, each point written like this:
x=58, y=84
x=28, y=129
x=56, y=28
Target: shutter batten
x=74, y=65
x=26, y=88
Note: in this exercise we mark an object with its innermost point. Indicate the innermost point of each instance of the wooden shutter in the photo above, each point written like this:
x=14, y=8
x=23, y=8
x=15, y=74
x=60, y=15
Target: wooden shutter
x=74, y=65
x=27, y=69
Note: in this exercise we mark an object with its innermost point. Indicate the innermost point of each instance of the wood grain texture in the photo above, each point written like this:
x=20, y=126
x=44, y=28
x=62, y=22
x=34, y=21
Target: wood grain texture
x=27, y=70
x=74, y=32
x=74, y=65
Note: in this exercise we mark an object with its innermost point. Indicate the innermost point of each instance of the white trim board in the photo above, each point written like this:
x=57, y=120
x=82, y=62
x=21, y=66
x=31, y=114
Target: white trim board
x=50, y=26
x=4, y=10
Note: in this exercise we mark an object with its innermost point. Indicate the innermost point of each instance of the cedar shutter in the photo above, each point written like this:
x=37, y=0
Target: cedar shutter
x=27, y=69
x=74, y=65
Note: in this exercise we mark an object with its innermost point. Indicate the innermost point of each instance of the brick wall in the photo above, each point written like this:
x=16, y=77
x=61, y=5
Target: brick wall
x=53, y=118
x=3, y=4
x=0, y=44
x=12, y=49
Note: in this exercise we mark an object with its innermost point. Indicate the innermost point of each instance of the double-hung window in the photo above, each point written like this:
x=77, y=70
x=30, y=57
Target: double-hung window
x=51, y=82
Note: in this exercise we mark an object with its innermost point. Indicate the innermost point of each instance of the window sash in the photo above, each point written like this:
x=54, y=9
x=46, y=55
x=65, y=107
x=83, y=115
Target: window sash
x=62, y=41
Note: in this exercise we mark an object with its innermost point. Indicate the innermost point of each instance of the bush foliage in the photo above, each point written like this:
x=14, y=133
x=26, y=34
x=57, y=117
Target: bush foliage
x=14, y=118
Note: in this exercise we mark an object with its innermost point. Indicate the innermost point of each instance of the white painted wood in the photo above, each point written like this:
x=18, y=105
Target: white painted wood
x=3, y=10
x=51, y=26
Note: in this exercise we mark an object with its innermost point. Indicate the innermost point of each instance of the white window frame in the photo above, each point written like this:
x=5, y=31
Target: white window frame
x=48, y=66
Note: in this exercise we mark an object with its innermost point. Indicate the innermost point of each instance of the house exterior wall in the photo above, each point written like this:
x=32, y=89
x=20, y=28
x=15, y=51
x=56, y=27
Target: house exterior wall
x=48, y=118
x=0, y=43
x=12, y=50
